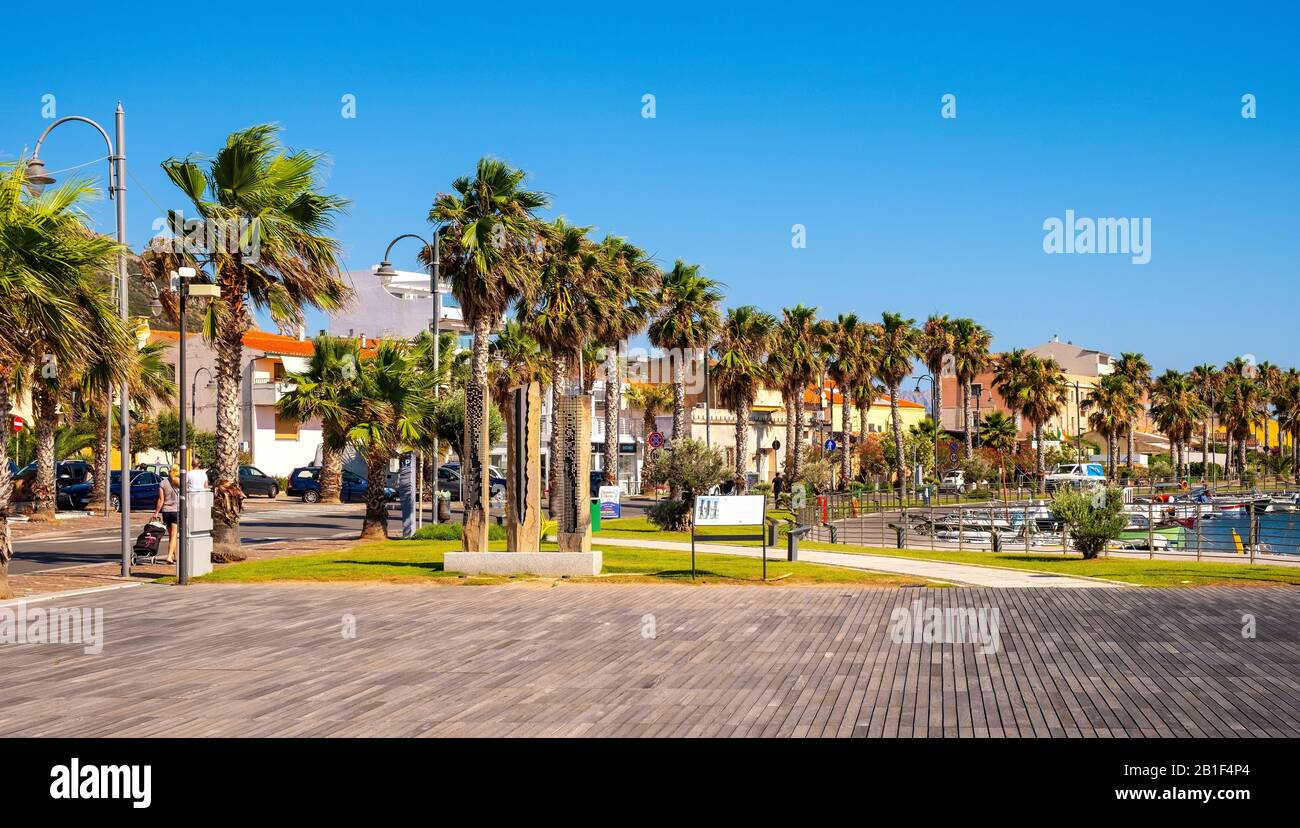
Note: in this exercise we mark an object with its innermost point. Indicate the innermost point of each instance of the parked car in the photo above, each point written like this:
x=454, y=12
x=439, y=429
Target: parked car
x=251, y=481
x=953, y=481
x=144, y=491
x=304, y=482
x=449, y=481
x=67, y=473
x=1076, y=475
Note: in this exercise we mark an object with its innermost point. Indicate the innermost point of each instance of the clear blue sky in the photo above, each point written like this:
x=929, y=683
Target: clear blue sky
x=767, y=116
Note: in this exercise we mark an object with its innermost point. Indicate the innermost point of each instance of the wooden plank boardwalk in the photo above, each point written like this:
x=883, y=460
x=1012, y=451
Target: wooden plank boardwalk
x=578, y=660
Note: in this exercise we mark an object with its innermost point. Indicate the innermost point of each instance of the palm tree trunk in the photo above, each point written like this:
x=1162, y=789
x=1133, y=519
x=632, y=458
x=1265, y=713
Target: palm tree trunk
x=968, y=424
x=846, y=430
x=558, y=365
x=1205, y=450
x=47, y=422
x=1227, y=457
x=100, y=485
x=742, y=445
x=790, y=425
x=474, y=459
x=1041, y=485
x=375, y=526
x=898, y=440
x=679, y=401
x=613, y=397
x=331, y=472
x=6, y=487
x=227, y=497
x=1130, y=427
x=1241, y=456
x=800, y=431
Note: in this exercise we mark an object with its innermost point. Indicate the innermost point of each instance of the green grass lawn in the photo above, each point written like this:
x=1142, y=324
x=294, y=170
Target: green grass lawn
x=421, y=562
x=1161, y=573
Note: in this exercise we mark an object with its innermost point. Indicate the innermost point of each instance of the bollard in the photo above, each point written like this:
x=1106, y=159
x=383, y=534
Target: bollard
x=902, y=537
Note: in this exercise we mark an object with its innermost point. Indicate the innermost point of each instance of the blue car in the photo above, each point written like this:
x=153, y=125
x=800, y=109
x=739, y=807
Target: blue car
x=304, y=482
x=144, y=491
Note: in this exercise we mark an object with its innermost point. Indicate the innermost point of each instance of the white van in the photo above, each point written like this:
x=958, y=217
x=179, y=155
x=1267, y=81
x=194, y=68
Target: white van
x=1076, y=475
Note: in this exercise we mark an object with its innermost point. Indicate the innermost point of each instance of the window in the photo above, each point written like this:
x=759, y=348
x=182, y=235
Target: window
x=306, y=474
x=286, y=428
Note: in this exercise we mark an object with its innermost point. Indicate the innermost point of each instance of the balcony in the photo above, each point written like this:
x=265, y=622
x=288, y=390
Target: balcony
x=269, y=392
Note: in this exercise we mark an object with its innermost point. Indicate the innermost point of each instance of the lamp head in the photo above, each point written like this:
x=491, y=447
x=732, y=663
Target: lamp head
x=385, y=272
x=37, y=177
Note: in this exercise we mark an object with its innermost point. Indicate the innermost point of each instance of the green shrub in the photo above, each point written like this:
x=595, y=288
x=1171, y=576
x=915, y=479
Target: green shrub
x=762, y=487
x=453, y=531
x=670, y=515
x=1095, y=518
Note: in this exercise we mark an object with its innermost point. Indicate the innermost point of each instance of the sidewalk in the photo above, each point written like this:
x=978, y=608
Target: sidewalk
x=953, y=573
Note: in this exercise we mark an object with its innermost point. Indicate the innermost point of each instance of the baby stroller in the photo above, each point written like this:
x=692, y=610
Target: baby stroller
x=148, y=546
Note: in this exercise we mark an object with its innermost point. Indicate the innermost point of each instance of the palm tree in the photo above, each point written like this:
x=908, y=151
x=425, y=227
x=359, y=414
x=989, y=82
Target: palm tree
x=489, y=251
x=1269, y=377
x=937, y=344
x=1240, y=407
x=998, y=432
x=150, y=382
x=687, y=321
x=324, y=392
x=1288, y=415
x=1034, y=387
x=563, y=309
x=1176, y=407
x=741, y=349
x=46, y=255
x=653, y=400
x=269, y=195
x=798, y=357
x=1135, y=369
x=970, y=356
x=631, y=279
x=898, y=342
x=392, y=410
x=1110, y=406
x=850, y=347
x=1207, y=379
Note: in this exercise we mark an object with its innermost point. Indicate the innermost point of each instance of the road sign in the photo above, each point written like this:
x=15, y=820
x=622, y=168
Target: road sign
x=18, y=424
x=656, y=439
x=776, y=445
x=829, y=445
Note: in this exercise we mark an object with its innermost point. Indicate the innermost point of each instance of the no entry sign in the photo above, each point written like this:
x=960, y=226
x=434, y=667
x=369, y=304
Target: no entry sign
x=656, y=439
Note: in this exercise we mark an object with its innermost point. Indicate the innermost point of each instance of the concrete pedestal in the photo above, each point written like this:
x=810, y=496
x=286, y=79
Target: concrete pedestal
x=546, y=564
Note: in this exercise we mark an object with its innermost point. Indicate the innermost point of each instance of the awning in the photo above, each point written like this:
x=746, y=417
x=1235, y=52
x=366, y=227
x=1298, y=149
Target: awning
x=295, y=364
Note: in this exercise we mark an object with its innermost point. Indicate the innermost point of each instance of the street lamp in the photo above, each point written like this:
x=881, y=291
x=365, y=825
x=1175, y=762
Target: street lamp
x=386, y=274
x=38, y=178
x=185, y=287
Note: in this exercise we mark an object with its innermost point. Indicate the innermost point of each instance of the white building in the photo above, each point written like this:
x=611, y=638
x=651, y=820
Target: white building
x=275, y=444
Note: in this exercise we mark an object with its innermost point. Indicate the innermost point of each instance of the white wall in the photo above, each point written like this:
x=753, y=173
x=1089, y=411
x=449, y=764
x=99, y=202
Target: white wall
x=279, y=457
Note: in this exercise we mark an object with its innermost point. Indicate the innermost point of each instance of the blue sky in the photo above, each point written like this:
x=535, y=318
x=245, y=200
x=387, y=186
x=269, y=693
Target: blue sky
x=766, y=116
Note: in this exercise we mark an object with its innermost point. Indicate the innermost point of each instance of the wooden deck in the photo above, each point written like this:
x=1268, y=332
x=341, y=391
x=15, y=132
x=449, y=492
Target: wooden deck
x=572, y=660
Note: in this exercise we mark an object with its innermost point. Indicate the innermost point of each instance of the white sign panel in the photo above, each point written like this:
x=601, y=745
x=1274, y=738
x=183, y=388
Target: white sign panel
x=609, y=502
x=735, y=510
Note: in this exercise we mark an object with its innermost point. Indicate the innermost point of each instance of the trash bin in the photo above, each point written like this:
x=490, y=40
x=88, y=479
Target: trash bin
x=595, y=514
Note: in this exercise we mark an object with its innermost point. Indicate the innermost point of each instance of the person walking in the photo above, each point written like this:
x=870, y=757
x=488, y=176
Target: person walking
x=778, y=484
x=167, y=509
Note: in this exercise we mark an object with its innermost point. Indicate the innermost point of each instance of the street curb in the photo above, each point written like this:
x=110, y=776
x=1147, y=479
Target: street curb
x=67, y=593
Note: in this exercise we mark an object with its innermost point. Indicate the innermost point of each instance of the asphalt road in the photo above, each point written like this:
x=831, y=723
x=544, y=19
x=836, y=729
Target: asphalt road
x=263, y=522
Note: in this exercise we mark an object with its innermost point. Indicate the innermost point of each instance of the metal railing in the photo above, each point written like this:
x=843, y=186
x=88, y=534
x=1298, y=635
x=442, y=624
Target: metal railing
x=1252, y=527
